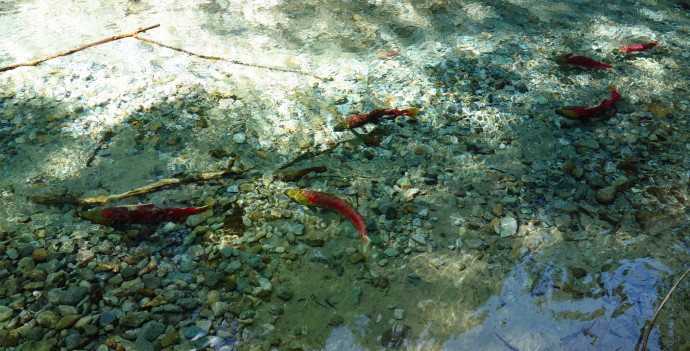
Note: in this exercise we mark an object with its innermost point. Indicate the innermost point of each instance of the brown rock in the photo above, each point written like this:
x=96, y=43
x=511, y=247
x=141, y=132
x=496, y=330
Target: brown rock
x=606, y=195
x=357, y=257
x=39, y=255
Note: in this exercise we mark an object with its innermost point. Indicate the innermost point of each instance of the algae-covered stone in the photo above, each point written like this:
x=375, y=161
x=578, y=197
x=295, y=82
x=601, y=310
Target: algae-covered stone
x=5, y=313
x=607, y=195
x=67, y=321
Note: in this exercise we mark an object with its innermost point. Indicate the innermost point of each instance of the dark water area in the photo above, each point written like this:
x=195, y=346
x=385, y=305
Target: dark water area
x=514, y=198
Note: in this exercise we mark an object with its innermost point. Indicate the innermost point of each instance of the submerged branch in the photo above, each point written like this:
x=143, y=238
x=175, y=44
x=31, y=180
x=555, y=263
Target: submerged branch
x=658, y=310
x=136, y=36
x=103, y=199
x=80, y=48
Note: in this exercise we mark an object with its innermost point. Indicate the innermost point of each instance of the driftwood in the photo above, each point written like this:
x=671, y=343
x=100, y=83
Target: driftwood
x=80, y=48
x=103, y=199
x=136, y=36
x=658, y=310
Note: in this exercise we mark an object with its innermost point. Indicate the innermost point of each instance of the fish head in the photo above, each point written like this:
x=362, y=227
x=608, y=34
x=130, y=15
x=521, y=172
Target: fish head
x=95, y=216
x=296, y=196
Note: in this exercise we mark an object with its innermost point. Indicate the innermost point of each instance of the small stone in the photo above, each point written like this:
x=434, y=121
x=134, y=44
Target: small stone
x=47, y=319
x=284, y=294
x=129, y=272
x=607, y=195
x=239, y=138
x=477, y=211
x=219, y=308
x=151, y=330
x=590, y=143
x=355, y=294
x=232, y=267
x=578, y=272
x=67, y=321
x=567, y=167
x=336, y=320
x=497, y=210
x=398, y=313
x=5, y=313
x=134, y=319
x=509, y=227
x=106, y=318
x=418, y=238
x=73, y=295
x=142, y=344
x=39, y=255
x=193, y=331
x=409, y=194
x=115, y=280
x=404, y=183
x=578, y=172
x=391, y=252
x=195, y=220
x=170, y=339
x=357, y=257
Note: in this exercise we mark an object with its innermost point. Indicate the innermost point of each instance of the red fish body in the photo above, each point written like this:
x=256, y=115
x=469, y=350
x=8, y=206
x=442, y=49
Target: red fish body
x=321, y=199
x=373, y=117
x=141, y=214
x=588, y=112
x=583, y=62
x=638, y=47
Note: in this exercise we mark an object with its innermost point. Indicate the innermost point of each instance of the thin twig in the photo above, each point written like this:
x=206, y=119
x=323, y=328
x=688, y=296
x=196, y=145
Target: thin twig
x=134, y=35
x=658, y=310
x=513, y=348
x=608, y=321
x=585, y=332
x=235, y=62
x=669, y=346
x=71, y=51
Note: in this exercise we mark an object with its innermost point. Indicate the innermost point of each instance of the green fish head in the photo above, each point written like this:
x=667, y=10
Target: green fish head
x=95, y=216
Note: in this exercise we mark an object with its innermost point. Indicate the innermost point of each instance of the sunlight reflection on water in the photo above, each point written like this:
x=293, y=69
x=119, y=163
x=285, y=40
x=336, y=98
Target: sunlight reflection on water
x=524, y=321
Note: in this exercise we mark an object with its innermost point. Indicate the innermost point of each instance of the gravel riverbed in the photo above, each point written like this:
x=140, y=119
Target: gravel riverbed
x=493, y=221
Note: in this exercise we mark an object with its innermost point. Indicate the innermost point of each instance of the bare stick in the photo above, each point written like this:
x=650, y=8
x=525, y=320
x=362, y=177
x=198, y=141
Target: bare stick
x=71, y=51
x=234, y=62
x=658, y=310
x=103, y=199
x=508, y=345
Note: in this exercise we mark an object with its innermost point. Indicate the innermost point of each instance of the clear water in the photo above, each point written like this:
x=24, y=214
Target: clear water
x=527, y=294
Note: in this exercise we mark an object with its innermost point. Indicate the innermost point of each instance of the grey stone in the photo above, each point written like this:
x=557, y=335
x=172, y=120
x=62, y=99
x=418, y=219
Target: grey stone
x=187, y=266
x=188, y=303
x=336, y=320
x=607, y=195
x=151, y=281
x=185, y=277
x=509, y=227
x=73, y=295
x=5, y=313
x=232, y=267
x=67, y=321
x=193, y=332
x=47, y=319
x=391, y=252
x=151, y=330
x=355, y=294
x=142, y=344
x=134, y=319
x=129, y=272
x=284, y=294
x=106, y=318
